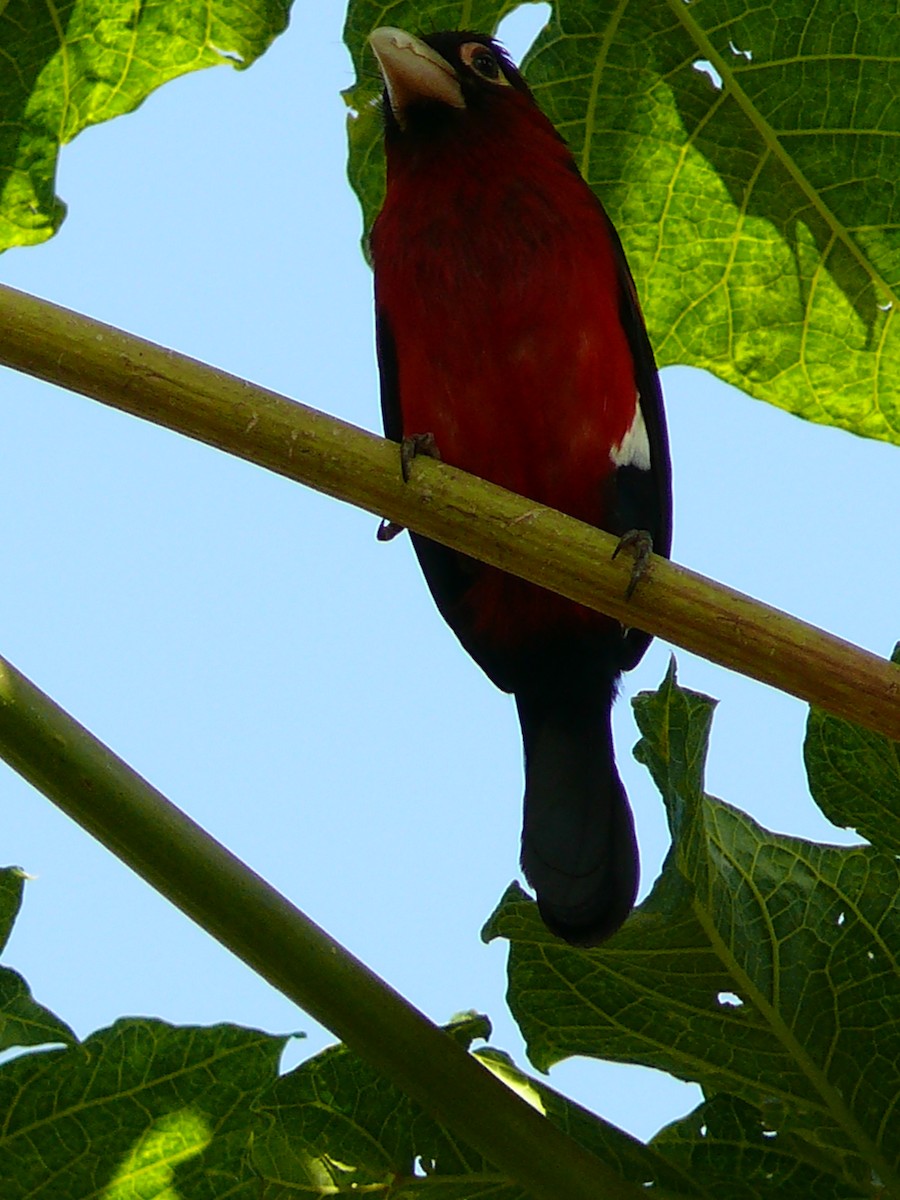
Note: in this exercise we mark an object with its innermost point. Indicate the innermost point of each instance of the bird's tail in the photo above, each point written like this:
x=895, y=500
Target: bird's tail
x=579, y=851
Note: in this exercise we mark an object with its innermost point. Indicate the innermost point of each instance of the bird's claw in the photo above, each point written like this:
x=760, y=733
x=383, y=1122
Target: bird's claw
x=388, y=530
x=411, y=447
x=639, y=543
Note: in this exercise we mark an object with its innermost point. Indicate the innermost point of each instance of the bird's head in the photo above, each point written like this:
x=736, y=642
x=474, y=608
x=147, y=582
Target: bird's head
x=443, y=80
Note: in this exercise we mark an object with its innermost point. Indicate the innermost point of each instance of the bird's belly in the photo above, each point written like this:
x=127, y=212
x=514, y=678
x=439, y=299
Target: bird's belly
x=546, y=435
x=510, y=349
x=540, y=425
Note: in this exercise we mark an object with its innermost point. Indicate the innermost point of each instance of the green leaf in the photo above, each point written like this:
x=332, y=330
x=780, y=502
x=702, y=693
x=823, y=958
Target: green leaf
x=854, y=776
x=365, y=168
x=336, y=1126
x=12, y=885
x=761, y=218
x=68, y=65
x=764, y=967
x=725, y=1143
x=23, y=1022
x=138, y=1111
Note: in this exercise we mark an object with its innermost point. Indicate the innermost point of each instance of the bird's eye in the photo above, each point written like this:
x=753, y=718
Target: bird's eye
x=485, y=64
x=482, y=60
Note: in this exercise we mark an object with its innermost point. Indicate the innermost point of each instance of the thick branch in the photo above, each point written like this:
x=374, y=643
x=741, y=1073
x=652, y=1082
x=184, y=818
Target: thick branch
x=104, y=795
x=448, y=505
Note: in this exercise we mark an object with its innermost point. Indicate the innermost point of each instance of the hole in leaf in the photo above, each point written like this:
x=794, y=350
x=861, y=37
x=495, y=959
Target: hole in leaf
x=232, y=55
x=748, y=54
x=842, y=917
x=706, y=68
x=886, y=307
x=770, y=1133
x=870, y=956
x=704, y=1130
x=729, y=1000
x=519, y=28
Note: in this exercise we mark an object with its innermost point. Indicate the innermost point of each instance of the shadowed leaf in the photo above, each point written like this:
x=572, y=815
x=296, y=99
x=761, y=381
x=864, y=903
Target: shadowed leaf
x=335, y=1125
x=12, y=885
x=763, y=967
x=854, y=776
x=725, y=1143
x=23, y=1022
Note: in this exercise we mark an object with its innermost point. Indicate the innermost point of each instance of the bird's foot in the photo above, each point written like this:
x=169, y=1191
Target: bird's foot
x=411, y=447
x=639, y=543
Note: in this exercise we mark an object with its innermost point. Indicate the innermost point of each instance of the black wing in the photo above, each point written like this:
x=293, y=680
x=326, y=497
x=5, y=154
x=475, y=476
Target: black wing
x=643, y=497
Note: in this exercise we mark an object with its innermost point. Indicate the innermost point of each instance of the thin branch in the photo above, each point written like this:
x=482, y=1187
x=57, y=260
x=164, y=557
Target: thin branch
x=487, y=522
x=129, y=816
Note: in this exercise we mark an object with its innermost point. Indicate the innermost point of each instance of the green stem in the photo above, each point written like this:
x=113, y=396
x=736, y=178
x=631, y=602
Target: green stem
x=484, y=521
x=129, y=816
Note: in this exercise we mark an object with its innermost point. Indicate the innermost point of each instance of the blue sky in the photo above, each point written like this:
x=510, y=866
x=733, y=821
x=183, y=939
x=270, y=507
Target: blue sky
x=249, y=647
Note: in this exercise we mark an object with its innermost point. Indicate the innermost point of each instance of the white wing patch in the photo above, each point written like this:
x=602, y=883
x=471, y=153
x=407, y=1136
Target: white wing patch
x=634, y=448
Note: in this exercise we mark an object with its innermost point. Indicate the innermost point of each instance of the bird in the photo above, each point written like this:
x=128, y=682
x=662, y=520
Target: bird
x=510, y=344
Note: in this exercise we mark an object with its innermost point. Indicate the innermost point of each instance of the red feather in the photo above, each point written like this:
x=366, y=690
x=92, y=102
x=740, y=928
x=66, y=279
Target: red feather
x=504, y=307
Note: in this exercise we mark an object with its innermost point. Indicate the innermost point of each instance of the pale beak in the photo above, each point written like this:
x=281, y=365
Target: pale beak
x=413, y=71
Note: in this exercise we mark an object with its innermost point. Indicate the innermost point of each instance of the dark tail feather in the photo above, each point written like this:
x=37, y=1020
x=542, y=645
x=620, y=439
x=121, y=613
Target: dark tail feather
x=579, y=851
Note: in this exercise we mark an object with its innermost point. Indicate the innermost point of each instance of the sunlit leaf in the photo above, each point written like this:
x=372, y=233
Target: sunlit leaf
x=69, y=65
x=139, y=1111
x=748, y=156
